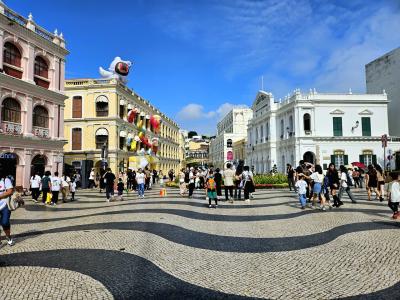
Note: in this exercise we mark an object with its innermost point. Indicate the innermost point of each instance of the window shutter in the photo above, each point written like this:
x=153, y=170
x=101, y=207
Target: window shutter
x=374, y=159
x=337, y=126
x=76, y=139
x=346, y=160
x=366, y=126
x=361, y=159
x=333, y=159
x=77, y=107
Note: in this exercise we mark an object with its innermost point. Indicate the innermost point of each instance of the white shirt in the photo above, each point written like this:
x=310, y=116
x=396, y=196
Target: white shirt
x=65, y=183
x=5, y=184
x=318, y=178
x=229, y=174
x=395, y=192
x=301, y=187
x=343, y=179
x=140, y=177
x=73, y=187
x=191, y=177
x=55, y=183
x=35, y=181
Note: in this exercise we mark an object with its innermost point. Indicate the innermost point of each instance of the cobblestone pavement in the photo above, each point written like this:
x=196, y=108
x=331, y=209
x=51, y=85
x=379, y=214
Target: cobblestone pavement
x=174, y=247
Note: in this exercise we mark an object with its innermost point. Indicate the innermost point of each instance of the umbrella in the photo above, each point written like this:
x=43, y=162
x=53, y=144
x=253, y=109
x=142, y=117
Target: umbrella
x=359, y=165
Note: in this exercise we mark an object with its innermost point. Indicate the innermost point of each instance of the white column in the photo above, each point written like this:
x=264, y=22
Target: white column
x=61, y=122
x=55, y=71
x=29, y=63
x=1, y=45
x=55, y=121
x=28, y=118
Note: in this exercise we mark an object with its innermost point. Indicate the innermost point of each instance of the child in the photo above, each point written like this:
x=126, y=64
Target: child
x=120, y=188
x=394, y=195
x=73, y=189
x=301, y=187
x=211, y=190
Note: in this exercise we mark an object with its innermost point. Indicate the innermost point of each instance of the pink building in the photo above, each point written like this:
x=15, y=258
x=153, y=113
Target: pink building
x=32, y=73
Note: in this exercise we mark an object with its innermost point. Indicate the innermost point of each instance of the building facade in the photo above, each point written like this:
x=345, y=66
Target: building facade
x=230, y=129
x=197, y=151
x=239, y=149
x=384, y=74
x=96, y=120
x=32, y=68
x=318, y=128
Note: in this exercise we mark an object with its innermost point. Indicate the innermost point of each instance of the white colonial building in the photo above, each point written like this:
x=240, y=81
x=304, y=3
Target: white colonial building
x=231, y=128
x=318, y=128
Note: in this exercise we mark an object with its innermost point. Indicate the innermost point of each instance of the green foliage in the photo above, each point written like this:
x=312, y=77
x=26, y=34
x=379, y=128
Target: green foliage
x=270, y=179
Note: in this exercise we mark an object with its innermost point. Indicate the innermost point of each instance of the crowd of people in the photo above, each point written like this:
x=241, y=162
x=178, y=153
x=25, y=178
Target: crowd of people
x=314, y=186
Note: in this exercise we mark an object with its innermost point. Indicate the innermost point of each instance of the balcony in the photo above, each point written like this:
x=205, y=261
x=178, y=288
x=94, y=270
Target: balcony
x=41, y=132
x=11, y=128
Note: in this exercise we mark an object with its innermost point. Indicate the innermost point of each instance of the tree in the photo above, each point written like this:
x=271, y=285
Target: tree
x=191, y=134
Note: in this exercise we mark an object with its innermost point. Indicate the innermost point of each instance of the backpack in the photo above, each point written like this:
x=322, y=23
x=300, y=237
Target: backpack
x=187, y=177
x=349, y=180
x=211, y=183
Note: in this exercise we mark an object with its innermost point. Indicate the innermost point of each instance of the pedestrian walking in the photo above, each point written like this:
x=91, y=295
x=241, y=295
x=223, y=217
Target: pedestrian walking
x=55, y=188
x=334, y=184
x=120, y=189
x=229, y=176
x=247, y=183
x=102, y=184
x=45, y=185
x=140, y=180
x=218, y=182
x=78, y=180
x=35, y=186
x=192, y=178
x=73, y=189
x=109, y=179
x=290, y=176
x=356, y=177
x=381, y=181
x=6, y=191
x=394, y=195
x=211, y=187
x=371, y=182
x=182, y=183
x=91, y=179
x=301, y=187
x=147, y=178
x=318, y=178
x=65, y=187
x=238, y=181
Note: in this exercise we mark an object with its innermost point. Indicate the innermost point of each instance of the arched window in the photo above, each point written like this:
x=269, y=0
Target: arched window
x=11, y=111
x=291, y=129
x=41, y=67
x=307, y=122
x=229, y=143
x=11, y=55
x=40, y=117
x=101, y=106
x=12, y=60
x=101, y=138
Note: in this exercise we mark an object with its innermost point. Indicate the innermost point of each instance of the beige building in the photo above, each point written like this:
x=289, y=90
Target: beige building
x=196, y=151
x=96, y=118
x=31, y=97
x=239, y=149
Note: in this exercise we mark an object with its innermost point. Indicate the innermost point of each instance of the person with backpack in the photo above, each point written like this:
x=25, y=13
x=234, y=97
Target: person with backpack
x=211, y=188
x=35, y=185
x=345, y=183
x=6, y=191
x=45, y=185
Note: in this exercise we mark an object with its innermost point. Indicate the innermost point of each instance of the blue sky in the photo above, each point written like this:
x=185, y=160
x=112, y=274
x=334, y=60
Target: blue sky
x=195, y=60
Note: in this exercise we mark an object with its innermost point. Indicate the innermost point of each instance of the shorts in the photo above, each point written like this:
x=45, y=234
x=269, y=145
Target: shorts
x=372, y=184
x=212, y=194
x=317, y=188
x=5, y=215
x=381, y=183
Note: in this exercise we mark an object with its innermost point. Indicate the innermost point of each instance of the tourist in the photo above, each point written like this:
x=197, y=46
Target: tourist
x=290, y=175
x=394, y=195
x=301, y=186
x=381, y=181
x=45, y=185
x=361, y=178
x=102, y=184
x=182, y=184
x=120, y=189
x=371, y=182
x=78, y=179
x=91, y=179
x=211, y=187
x=356, y=177
x=65, y=187
x=345, y=183
x=218, y=182
x=97, y=179
x=55, y=188
x=147, y=179
x=171, y=175
x=192, y=178
x=35, y=185
x=318, y=179
x=229, y=176
x=238, y=181
x=133, y=180
x=6, y=191
x=247, y=183
x=140, y=180
x=325, y=191
x=334, y=184
x=109, y=179
x=73, y=189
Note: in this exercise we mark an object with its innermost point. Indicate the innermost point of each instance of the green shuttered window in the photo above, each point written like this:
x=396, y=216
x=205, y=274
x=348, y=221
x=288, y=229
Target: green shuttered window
x=337, y=126
x=366, y=126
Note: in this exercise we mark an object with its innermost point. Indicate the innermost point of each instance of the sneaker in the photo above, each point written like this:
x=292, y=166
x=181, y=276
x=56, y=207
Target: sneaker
x=10, y=242
x=323, y=208
x=247, y=200
x=303, y=207
x=53, y=204
x=34, y=200
x=210, y=206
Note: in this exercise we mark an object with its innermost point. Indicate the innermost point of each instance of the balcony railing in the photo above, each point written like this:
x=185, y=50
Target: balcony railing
x=11, y=128
x=41, y=132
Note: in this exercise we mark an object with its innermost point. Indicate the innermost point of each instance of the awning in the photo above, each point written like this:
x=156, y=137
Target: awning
x=122, y=133
x=101, y=131
x=102, y=98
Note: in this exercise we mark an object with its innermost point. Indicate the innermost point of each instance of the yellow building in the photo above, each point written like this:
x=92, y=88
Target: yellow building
x=197, y=151
x=239, y=149
x=96, y=117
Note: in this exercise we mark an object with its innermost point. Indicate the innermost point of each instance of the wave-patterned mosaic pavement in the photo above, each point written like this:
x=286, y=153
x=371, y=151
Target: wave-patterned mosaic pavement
x=178, y=248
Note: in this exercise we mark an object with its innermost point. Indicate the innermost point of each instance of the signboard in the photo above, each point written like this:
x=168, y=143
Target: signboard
x=229, y=155
x=384, y=140
x=8, y=156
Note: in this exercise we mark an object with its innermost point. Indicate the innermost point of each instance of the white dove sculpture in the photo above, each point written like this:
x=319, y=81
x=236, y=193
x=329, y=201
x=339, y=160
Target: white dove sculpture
x=119, y=69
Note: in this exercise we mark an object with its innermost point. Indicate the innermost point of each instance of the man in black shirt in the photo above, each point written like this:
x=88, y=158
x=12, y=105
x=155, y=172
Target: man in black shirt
x=290, y=174
x=109, y=179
